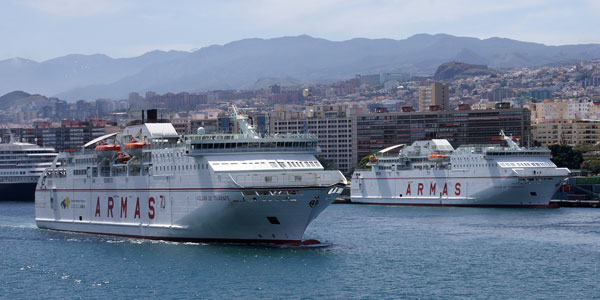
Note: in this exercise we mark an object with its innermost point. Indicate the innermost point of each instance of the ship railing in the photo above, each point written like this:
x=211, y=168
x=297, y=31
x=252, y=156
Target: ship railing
x=496, y=147
x=224, y=136
x=259, y=145
x=80, y=152
x=253, y=150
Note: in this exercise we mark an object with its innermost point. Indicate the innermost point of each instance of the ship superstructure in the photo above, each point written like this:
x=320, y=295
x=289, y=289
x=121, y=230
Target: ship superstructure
x=21, y=165
x=149, y=182
x=433, y=173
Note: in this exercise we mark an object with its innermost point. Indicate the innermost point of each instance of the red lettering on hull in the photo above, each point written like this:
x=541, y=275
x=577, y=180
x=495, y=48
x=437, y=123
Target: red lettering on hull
x=457, y=188
x=408, y=190
x=136, y=215
x=432, y=187
x=111, y=204
x=123, y=207
x=151, y=213
x=445, y=191
x=420, y=189
x=98, y=208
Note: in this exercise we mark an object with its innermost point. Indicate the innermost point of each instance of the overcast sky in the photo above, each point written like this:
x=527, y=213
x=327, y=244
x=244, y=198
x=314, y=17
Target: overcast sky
x=44, y=29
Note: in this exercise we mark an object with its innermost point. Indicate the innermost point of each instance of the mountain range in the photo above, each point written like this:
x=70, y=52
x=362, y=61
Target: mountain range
x=251, y=63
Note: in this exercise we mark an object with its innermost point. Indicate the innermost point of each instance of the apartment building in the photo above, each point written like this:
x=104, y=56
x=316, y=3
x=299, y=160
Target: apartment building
x=346, y=134
x=332, y=124
x=377, y=131
x=571, y=132
x=434, y=95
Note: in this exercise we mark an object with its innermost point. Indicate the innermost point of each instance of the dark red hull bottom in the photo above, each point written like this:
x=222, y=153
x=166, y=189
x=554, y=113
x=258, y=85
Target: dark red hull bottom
x=550, y=205
x=205, y=240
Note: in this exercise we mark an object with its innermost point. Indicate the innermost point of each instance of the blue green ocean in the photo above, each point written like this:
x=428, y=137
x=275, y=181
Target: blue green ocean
x=368, y=252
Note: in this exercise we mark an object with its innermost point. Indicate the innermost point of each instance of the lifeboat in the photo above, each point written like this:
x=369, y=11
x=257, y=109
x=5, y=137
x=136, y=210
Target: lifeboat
x=107, y=150
x=437, y=157
x=122, y=157
x=372, y=159
x=135, y=148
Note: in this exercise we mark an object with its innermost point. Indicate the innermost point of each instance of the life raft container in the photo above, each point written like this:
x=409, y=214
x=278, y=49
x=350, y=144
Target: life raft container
x=437, y=157
x=107, y=150
x=135, y=148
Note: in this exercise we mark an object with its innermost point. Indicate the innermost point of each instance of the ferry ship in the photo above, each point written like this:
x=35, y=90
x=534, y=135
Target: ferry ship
x=433, y=173
x=149, y=182
x=21, y=165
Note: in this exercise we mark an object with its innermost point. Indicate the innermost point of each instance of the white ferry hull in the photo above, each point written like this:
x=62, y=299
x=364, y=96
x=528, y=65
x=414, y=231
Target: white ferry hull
x=195, y=216
x=506, y=192
x=200, y=188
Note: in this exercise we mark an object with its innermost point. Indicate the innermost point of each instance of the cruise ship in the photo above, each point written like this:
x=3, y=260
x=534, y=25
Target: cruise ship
x=433, y=173
x=149, y=182
x=21, y=165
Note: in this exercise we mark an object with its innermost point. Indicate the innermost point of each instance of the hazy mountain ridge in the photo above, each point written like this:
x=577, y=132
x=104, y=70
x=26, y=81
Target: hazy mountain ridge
x=11, y=98
x=242, y=63
x=71, y=71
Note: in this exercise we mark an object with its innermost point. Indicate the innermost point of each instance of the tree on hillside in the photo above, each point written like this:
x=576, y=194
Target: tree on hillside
x=565, y=157
x=593, y=165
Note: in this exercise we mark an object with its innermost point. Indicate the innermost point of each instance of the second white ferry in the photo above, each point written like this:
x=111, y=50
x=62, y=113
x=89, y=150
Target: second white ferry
x=149, y=182
x=433, y=173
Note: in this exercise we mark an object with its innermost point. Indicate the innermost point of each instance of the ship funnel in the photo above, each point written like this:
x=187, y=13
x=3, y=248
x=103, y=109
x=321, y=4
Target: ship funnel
x=152, y=115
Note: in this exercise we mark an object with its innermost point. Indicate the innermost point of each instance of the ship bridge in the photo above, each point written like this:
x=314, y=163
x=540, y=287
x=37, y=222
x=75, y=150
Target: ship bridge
x=202, y=144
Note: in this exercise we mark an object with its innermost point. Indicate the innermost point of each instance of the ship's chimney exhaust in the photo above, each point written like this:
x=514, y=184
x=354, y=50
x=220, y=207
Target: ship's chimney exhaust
x=152, y=115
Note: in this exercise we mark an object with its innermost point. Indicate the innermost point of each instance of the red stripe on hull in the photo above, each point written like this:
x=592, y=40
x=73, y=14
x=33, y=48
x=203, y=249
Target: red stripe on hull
x=551, y=205
x=195, y=189
x=433, y=177
x=200, y=240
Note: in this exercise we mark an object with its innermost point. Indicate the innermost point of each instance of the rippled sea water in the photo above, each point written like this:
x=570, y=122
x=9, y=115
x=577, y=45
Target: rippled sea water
x=370, y=252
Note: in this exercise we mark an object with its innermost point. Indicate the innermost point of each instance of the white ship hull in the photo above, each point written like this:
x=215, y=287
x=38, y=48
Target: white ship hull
x=461, y=189
x=182, y=213
x=199, y=188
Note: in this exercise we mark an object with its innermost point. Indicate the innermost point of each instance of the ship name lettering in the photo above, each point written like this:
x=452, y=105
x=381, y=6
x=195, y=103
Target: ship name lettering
x=123, y=212
x=151, y=213
x=97, y=208
x=110, y=205
x=124, y=207
x=136, y=215
x=212, y=198
x=420, y=187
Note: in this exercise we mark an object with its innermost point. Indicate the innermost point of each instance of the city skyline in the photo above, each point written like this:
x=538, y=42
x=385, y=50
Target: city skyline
x=41, y=30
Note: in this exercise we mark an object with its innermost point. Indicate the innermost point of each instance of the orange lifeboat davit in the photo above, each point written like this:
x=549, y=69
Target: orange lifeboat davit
x=135, y=148
x=437, y=157
x=107, y=150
